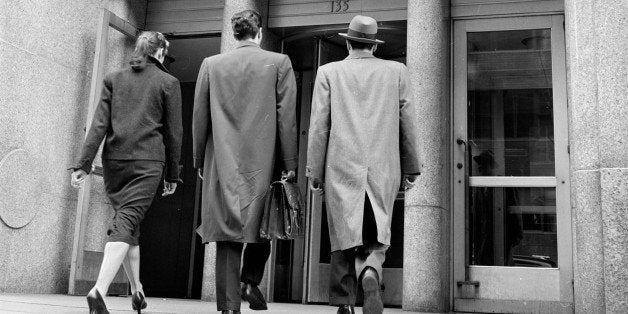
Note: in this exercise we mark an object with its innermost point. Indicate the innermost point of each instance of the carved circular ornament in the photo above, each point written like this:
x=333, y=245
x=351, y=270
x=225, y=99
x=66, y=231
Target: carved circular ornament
x=18, y=192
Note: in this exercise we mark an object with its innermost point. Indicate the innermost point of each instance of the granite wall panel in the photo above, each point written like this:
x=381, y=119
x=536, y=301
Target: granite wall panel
x=614, y=199
x=46, y=60
x=588, y=242
x=581, y=67
x=611, y=32
x=597, y=86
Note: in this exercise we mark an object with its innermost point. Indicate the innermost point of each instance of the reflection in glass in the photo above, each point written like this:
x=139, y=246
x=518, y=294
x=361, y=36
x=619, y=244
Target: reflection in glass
x=510, y=120
x=512, y=227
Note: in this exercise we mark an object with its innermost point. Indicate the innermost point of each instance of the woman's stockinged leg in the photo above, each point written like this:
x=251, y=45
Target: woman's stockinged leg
x=132, y=268
x=115, y=252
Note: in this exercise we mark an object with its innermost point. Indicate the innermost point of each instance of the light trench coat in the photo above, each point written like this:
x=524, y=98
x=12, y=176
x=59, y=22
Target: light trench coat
x=362, y=137
x=244, y=107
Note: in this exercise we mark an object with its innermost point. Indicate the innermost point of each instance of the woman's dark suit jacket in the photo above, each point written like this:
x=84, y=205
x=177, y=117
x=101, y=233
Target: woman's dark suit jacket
x=140, y=115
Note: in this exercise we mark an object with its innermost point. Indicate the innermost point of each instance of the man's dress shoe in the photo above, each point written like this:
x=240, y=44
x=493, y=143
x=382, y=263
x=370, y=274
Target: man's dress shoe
x=372, y=293
x=255, y=297
x=346, y=309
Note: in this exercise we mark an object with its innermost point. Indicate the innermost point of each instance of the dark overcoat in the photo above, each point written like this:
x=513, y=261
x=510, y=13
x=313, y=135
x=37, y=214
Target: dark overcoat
x=363, y=135
x=245, y=101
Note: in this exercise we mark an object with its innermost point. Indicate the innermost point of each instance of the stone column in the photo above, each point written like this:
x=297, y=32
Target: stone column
x=596, y=34
x=426, y=256
x=227, y=43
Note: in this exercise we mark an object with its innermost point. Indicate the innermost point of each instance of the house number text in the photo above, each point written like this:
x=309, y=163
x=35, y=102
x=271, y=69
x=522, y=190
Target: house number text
x=339, y=6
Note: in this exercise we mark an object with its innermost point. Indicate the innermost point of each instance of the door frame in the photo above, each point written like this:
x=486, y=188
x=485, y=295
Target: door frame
x=107, y=19
x=198, y=193
x=563, y=301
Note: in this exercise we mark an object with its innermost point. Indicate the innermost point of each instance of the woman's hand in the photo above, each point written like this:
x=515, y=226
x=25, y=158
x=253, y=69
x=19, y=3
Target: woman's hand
x=78, y=177
x=288, y=175
x=169, y=188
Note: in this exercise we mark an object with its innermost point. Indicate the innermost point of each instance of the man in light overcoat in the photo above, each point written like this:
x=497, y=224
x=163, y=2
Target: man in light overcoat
x=245, y=101
x=362, y=138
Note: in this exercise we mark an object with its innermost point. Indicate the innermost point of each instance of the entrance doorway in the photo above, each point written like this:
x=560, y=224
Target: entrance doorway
x=300, y=268
x=172, y=266
x=511, y=220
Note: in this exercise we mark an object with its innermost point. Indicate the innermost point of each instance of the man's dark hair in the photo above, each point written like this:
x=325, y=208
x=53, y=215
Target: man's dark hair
x=246, y=24
x=358, y=45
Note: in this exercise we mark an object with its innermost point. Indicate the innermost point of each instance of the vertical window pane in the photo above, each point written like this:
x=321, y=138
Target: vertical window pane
x=510, y=106
x=512, y=227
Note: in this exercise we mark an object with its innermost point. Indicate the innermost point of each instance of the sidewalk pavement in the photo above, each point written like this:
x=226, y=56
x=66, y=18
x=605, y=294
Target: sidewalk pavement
x=57, y=303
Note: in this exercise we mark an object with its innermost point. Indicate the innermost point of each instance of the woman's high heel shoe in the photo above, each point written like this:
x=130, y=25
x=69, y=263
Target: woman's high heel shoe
x=138, y=302
x=96, y=303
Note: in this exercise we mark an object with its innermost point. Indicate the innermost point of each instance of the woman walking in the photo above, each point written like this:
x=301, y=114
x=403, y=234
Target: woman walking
x=139, y=116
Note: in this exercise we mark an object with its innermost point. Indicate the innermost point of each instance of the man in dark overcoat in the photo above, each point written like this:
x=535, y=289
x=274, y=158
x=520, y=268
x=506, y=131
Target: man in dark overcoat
x=245, y=101
x=363, y=136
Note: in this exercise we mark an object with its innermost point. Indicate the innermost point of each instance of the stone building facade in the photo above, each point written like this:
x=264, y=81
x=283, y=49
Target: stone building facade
x=47, y=62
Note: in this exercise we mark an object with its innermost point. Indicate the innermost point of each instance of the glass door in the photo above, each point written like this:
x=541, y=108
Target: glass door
x=512, y=219
x=318, y=247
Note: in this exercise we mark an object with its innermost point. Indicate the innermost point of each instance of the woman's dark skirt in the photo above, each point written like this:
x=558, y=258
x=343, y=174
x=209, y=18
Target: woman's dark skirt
x=131, y=186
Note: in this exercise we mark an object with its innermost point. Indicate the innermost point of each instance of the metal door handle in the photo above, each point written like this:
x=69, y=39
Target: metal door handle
x=468, y=283
x=461, y=142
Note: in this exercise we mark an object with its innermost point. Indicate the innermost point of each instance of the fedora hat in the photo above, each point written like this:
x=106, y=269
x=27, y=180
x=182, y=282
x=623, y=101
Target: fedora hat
x=362, y=29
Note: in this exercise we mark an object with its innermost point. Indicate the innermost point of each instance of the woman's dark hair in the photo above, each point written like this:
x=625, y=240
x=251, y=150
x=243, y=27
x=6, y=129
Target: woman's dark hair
x=246, y=24
x=358, y=45
x=148, y=43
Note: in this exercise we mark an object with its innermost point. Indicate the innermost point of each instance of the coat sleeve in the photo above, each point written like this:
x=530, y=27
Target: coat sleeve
x=408, y=129
x=101, y=123
x=201, y=117
x=320, y=125
x=173, y=129
x=286, y=114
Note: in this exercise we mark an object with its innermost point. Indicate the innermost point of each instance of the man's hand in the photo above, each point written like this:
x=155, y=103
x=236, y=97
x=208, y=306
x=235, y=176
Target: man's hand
x=408, y=181
x=317, y=186
x=169, y=188
x=78, y=177
x=288, y=175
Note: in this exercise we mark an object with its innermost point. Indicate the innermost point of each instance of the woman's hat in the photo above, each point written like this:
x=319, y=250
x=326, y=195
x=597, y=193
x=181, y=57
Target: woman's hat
x=362, y=29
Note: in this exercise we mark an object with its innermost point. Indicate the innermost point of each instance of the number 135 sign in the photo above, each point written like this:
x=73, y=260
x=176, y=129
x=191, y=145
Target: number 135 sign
x=339, y=6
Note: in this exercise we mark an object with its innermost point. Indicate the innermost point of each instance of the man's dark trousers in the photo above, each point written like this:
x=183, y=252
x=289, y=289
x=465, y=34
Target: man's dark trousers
x=228, y=278
x=347, y=265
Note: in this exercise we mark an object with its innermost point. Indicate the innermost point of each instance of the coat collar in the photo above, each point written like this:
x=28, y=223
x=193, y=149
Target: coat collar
x=247, y=43
x=140, y=63
x=158, y=64
x=359, y=54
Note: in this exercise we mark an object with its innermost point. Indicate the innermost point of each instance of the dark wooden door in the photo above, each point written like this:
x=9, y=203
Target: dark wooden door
x=172, y=253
